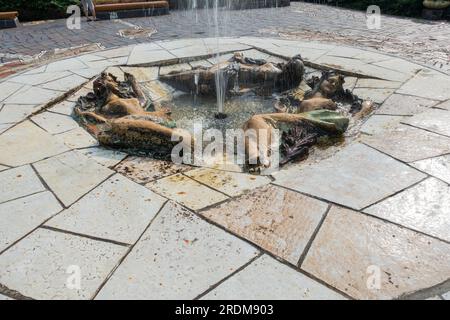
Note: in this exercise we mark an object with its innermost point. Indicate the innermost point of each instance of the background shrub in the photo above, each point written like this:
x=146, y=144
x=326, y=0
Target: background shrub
x=37, y=9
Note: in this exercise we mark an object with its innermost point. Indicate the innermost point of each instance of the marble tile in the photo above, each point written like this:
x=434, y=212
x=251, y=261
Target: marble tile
x=118, y=210
x=41, y=265
x=268, y=279
x=399, y=104
x=379, y=260
x=276, y=219
x=71, y=175
x=77, y=138
x=186, y=191
x=179, y=257
x=230, y=183
x=409, y=144
x=27, y=143
x=367, y=177
x=105, y=157
x=434, y=120
x=54, y=123
x=143, y=170
x=424, y=207
x=20, y=216
x=438, y=167
x=19, y=182
x=427, y=84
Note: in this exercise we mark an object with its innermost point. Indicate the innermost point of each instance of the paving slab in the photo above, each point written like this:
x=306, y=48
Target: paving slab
x=444, y=105
x=65, y=107
x=143, y=170
x=375, y=83
x=147, y=53
x=424, y=207
x=77, y=138
x=179, y=257
x=19, y=182
x=434, y=120
x=428, y=84
x=71, y=175
x=400, y=65
x=398, y=104
x=8, y=88
x=27, y=143
x=2, y=168
x=375, y=95
x=105, y=157
x=66, y=65
x=32, y=95
x=438, y=167
x=43, y=264
x=230, y=183
x=20, y=216
x=186, y=191
x=378, y=124
x=269, y=279
x=276, y=219
x=118, y=210
x=13, y=113
x=5, y=126
x=367, y=177
x=409, y=144
x=54, y=123
x=39, y=78
x=380, y=260
x=65, y=84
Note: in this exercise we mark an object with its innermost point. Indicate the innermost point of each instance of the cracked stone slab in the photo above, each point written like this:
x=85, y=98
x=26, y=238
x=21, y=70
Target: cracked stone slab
x=268, y=279
x=378, y=124
x=118, y=210
x=375, y=95
x=424, y=207
x=399, y=104
x=105, y=157
x=410, y=144
x=274, y=218
x=186, y=191
x=434, y=120
x=406, y=261
x=32, y=95
x=144, y=170
x=19, y=182
x=8, y=88
x=40, y=265
x=438, y=167
x=71, y=175
x=20, y=216
x=179, y=257
x=428, y=84
x=13, y=113
x=65, y=84
x=65, y=107
x=230, y=183
x=27, y=143
x=54, y=123
x=77, y=138
x=367, y=177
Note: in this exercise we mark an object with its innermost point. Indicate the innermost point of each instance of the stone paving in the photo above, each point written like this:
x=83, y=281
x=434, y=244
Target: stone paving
x=370, y=220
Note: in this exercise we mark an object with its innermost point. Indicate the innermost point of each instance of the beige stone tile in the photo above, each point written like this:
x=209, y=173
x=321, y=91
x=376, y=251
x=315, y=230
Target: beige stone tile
x=8, y=88
x=65, y=107
x=143, y=169
x=357, y=177
x=32, y=95
x=186, y=191
x=230, y=183
x=424, y=207
x=374, y=83
x=39, y=78
x=375, y=95
x=39, y=266
x=71, y=175
x=180, y=256
x=12, y=113
x=399, y=104
x=438, y=167
x=400, y=65
x=77, y=138
x=351, y=249
x=444, y=105
x=274, y=218
x=428, y=84
x=268, y=279
x=105, y=157
x=54, y=123
x=410, y=144
x=378, y=124
x=20, y=216
x=65, y=84
x=434, y=120
x=118, y=209
x=19, y=182
x=27, y=143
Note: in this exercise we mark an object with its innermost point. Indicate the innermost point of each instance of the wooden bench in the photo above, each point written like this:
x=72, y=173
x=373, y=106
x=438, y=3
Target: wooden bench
x=113, y=9
x=9, y=19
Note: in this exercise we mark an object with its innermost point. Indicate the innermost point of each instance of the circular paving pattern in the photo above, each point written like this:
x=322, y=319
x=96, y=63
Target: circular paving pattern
x=137, y=227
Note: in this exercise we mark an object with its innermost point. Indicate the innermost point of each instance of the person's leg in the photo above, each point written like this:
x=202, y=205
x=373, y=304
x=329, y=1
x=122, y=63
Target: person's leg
x=92, y=7
x=85, y=8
